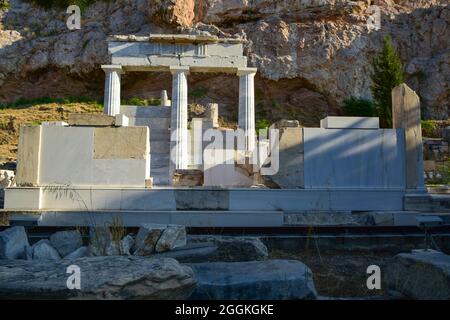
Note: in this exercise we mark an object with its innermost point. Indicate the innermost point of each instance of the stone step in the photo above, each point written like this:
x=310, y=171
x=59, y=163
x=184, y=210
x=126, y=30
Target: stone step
x=146, y=112
x=426, y=202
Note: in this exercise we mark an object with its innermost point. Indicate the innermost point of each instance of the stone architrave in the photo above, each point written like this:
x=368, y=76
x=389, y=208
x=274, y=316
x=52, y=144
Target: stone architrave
x=406, y=115
x=112, y=89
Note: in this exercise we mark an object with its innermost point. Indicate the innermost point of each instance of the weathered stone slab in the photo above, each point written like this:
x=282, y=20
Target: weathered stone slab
x=406, y=115
x=255, y=280
x=147, y=237
x=28, y=156
x=232, y=249
x=66, y=242
x=91, y=119
x=187, y=178
x=121, y=143
x=202, y=199
x=350, y=123
x=420, y=275
x=174, y=236
x=102, y=278
x=13, y=243
x=290, y=172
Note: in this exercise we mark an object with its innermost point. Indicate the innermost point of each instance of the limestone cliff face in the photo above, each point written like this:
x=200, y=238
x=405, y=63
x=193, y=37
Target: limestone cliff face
x=310, y=54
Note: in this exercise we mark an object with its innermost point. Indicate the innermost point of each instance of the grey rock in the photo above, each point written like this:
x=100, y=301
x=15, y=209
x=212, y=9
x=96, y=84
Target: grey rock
x=79, y=253
x=147, y=237
x=42, y=250
x=174, y=236
x=195, y=252
x=13, y=243
x=102, y=278
x=127, y=244
x=66, y=242
x=120, y=248
x=423, y=275
x=234, y=249
x=254, y=280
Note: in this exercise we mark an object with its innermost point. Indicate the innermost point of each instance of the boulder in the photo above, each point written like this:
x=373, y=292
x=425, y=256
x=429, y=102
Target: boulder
x=66, y=242
x=194, y=252
x=120, y=248
x=234, y=249
x=42, y=250
x=419, y=275
x=13, y=243
x=79, y=253
x=147, y=238
x=102, y=278
x=174, y=236
x=254, y=280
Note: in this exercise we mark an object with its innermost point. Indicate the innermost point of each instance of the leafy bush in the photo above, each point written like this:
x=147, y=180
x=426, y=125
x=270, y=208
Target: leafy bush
x=429, y=128
x=387, y=74
x=358, y=107
x=4, y=4
x=198, y=93
x=135, y=101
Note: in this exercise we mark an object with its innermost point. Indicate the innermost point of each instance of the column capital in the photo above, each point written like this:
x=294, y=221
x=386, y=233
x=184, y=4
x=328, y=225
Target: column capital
x=112, y=67
x=178, y=69
x=245, y=71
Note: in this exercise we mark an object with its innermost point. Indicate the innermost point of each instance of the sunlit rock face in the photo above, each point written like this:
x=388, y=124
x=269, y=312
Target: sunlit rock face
x=310, y=54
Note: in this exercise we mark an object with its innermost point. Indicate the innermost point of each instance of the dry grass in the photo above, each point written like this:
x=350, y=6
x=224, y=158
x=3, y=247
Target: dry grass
x=338, y=274
x=11, y=119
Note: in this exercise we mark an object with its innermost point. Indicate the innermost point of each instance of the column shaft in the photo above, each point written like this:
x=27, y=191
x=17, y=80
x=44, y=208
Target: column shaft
x=247, y=106
x=112, y=89
x=179, y=119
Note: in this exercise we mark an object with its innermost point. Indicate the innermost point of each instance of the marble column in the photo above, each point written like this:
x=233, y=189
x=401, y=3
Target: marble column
x=406, y=116
x=247, y=106
x=179, y=119
x=112, y=89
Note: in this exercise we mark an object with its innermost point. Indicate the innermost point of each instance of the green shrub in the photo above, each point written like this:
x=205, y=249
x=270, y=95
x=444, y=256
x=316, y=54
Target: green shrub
x=387, y=74
x=22, y=102
x=198, y=93
x=429, y=128
x=358, y=107
x=4, y=4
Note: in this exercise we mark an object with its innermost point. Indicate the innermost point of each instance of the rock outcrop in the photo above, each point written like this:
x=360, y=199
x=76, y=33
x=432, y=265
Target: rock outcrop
x=101, y=278
x=310, y=54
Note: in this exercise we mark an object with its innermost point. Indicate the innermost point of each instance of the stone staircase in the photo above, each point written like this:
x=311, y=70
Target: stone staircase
x=157, y=118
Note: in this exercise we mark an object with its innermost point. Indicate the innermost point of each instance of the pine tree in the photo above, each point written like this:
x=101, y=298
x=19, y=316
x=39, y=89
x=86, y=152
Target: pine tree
x=387, y=74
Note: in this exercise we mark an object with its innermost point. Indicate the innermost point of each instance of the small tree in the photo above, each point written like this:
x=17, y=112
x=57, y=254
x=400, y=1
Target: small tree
x=387, y=74
x=358, y=107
